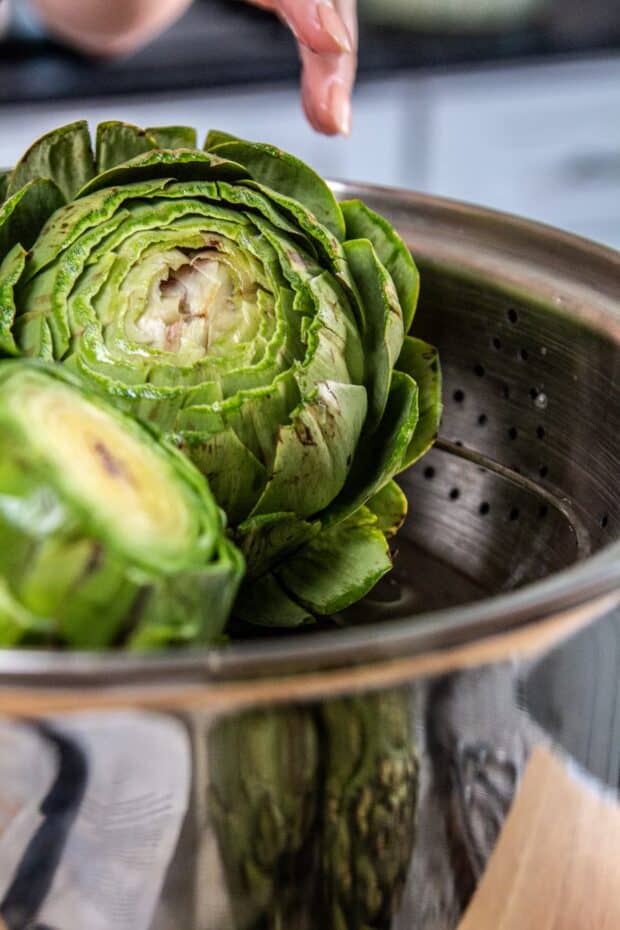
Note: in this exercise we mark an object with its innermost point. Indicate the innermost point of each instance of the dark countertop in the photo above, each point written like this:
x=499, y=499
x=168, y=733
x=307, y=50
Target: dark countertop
x=222, y=43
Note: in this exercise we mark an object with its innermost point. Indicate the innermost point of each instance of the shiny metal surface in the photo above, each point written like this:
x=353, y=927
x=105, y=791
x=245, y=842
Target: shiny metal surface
x=357, y=779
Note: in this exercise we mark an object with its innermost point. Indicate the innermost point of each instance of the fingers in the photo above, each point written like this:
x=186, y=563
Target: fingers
x=109, y=27
x=326, y=91
x=328, y=81
x=327, y=35
x=314, y=23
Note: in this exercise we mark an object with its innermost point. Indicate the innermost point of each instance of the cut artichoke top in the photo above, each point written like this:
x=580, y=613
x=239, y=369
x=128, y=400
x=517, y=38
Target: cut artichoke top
x=225, y=295
x=126, y=486
x=107, y=533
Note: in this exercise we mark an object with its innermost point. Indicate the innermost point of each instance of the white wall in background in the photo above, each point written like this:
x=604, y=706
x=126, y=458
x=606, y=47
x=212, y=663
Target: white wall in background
x=377, y=151
x=542, y=140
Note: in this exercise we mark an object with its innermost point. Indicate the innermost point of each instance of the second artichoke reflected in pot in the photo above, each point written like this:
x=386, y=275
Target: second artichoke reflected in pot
x=314, y=812
x=369, y=808
x=264, y=804
x=226, y=296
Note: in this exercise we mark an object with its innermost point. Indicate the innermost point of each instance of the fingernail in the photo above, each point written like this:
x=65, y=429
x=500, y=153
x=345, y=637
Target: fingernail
x=333, y=25
x=340, y=107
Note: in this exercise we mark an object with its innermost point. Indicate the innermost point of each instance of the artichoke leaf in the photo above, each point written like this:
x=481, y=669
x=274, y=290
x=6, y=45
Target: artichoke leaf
x=64, y=156
x=283, y=173
x=421, y=361
x=236, y=477
x=338, y=566
x=178, y=165
x=383, y=331
x=364, y=223
x=23, y=214
x=264, y=602
x=4, y=184
x=174, y=137
x=81, y=217
x=389, y=506
x=118, y=142
x=11, y=270
x=266, y=540
x=17, y=623
x=379, y=457
x=250, y=199
x=105, y=591
x=322, y=240
x=314, y=452
x=34, y=336
x=192, y=607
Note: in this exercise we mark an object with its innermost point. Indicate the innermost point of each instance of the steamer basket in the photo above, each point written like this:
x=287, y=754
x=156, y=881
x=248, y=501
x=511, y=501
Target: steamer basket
x=358, y=778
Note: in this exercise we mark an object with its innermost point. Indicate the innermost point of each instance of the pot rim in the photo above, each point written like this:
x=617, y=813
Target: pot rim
x=580, y=276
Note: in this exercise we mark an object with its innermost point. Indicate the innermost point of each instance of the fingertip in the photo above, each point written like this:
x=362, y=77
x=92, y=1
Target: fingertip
x=328, y=107
x=340, y=108
x=320, y=120
x=327, y=82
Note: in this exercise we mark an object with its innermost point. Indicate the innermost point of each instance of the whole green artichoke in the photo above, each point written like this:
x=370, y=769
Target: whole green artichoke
x=108, y=535
x=225, y=296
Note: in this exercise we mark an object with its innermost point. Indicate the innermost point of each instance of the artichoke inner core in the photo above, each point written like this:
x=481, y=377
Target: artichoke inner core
x=194, y=308
x=107, y=470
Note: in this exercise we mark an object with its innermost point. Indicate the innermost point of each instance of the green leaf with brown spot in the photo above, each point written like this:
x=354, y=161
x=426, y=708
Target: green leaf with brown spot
x=118, y=142
x=380, y=456
x=64, y=156
x=389, y=506
x=184, y=165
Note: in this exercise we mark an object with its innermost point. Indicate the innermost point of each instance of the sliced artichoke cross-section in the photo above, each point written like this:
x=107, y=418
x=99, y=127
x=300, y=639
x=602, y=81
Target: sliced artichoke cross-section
x=109, y=536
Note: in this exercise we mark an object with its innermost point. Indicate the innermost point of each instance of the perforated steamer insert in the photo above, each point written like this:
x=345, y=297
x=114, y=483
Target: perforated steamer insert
x=523, y=481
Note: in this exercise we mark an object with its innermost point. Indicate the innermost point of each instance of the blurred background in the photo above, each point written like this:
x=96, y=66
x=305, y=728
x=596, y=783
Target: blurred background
x=511, y=103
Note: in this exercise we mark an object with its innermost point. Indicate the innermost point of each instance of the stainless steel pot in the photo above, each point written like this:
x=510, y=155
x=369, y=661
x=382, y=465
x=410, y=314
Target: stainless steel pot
x=358, y=778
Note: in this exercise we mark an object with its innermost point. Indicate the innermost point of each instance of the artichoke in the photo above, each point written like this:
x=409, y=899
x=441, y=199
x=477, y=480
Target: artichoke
x=109, y=535
x=369, y=808
x=314, y=812
x=263, y=799
x=225, y=296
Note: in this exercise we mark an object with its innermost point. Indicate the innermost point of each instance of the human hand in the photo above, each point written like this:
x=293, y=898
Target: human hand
x=108, y=27
x=326, y=31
